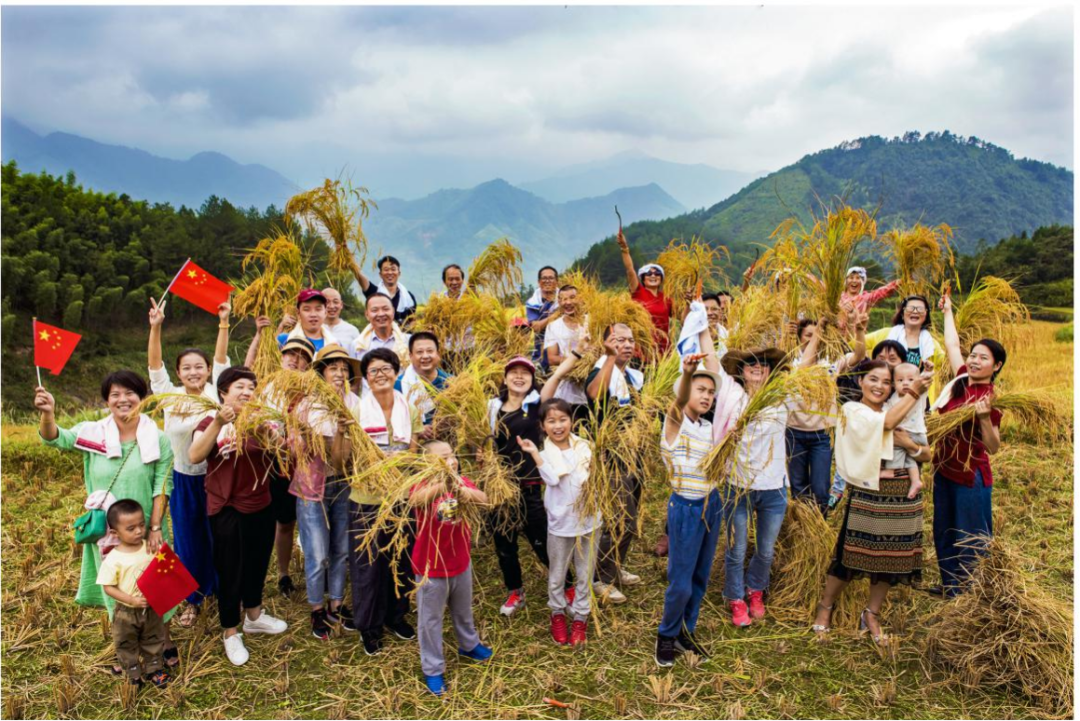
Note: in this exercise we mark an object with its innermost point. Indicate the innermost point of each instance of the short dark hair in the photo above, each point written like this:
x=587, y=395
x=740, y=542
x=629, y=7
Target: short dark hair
x=567, y=287
x=125, y=379
x=232, y=375
x=803, y=325
x=607, y=331
x=194, y=351
x=423, y=335
x=711, y=296
x=898, y=318
x=724, y=292
x=867, y=366
x=886, y=345
x=373, y=296
x=387, y=259
x=554, y=404
x=452, y=265
x=384, y=354
x=547, y=267
x=122, y=507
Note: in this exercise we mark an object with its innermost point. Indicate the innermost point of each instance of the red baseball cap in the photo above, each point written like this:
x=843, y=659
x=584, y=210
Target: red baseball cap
x=309, y=294
x=520, y=361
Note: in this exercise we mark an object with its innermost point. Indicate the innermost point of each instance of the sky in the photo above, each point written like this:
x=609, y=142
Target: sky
x=519, y=92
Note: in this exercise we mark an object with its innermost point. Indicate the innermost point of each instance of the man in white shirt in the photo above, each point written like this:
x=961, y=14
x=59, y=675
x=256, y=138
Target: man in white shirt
x=562, y=338
x=345, y=332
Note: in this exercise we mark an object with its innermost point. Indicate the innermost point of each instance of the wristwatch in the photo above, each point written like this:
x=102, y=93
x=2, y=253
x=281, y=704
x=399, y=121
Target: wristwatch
x=154, y=529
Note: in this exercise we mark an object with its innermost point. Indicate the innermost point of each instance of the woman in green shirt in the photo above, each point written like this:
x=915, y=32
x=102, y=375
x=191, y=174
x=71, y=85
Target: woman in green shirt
x=131, y=450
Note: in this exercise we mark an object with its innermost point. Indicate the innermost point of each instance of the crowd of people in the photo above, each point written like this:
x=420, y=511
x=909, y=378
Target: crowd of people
x=232, y=507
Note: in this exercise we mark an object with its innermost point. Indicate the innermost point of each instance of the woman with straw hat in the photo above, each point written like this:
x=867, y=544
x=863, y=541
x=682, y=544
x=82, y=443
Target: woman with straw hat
x=881, y=535
x=322, y=495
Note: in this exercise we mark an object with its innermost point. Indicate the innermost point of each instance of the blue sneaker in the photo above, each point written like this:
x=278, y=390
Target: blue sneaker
x=435, y=684
x=480, y=653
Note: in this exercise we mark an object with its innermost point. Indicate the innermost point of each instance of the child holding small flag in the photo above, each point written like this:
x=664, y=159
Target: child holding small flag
x=137, y=629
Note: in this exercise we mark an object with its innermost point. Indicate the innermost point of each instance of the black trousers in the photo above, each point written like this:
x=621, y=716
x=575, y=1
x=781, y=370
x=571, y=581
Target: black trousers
x=376, y=602
x=532, y=520
x=242, y=546
x=617, y=534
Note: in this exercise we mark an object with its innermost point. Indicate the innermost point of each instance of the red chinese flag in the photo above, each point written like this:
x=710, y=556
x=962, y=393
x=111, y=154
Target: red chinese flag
x=198, y=287
x=165, y=582
x=53, y=346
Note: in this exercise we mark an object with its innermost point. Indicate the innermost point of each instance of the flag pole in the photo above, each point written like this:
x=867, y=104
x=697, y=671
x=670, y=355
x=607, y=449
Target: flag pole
x=173, y=281
x=36, y=366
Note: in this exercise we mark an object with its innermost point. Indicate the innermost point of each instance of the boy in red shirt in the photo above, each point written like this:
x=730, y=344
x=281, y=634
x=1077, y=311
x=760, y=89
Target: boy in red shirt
x=443, y=568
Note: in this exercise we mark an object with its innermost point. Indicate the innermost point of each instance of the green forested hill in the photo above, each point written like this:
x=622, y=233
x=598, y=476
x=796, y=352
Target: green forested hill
x=979, y=189
x=1041, y=265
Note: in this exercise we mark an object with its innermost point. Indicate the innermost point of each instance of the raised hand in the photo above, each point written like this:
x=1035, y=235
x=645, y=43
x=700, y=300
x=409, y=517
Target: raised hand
x=263, y=321
x=223, y=311
x=621, y=240
x=157, y=313
x=690, y=362
x=984, y=405
x=44, y=401
x=286, y=323
x=527, y=446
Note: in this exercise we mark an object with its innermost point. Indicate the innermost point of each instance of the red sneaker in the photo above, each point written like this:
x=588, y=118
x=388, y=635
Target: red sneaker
x=514, y=601
x=558, y=629
x=739, y=616
x=570, y=596
x=757, y=605
x=577, y=633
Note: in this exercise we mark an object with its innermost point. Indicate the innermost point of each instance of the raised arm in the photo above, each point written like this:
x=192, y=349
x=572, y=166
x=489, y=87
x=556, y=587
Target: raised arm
x=261, y=324
x=46, y=406
x=221, y=348
x=674, y=417
x=203, y=441
x=603, y=379
x=552, y=383
x=952, y=337
x=809, y=354
x=153, y=347
x=628, y=264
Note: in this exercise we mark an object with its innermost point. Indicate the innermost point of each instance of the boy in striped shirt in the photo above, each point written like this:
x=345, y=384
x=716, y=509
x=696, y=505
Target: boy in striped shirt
x=694, y=509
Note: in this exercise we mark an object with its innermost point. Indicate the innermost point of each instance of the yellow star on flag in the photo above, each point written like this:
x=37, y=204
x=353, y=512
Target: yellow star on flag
x=44, y=335
x=191, y=274
x=160, y=556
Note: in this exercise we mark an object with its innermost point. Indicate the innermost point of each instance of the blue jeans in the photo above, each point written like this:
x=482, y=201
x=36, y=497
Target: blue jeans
x=324, y=534
x=960, y=513
x=809, y=464
x=693, y=532
x=769, y=508
x=191, y=531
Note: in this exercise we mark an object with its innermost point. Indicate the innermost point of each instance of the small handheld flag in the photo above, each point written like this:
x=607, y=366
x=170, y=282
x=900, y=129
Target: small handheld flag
x=165, y=582
x=198, y=287
x=52, y=347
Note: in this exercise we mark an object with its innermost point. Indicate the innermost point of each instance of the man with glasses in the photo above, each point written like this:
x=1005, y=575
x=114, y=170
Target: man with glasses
x=541, y=306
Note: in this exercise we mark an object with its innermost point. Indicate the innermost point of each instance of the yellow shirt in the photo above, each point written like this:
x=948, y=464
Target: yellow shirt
x=123, y=569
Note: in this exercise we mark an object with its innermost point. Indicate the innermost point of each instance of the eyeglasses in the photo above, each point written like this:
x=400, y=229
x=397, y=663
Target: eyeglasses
x=652, y=272
x=915, y=311
x=755, y=362
x=380, y=371
x=548, y=279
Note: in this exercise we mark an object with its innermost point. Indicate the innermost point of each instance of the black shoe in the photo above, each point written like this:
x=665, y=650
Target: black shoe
x=320, y=629
x=665, y=651
x=340, y=615
x=372, y=643
x=403, y=630
x=136, y=682
x=285, y=585
x=685, y=642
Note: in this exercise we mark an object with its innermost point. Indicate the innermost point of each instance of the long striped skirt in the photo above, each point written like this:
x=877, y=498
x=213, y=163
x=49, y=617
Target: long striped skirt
x=881, y=536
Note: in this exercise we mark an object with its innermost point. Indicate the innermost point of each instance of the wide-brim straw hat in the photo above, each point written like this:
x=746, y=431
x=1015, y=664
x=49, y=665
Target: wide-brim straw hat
x=301, y=344
x=335, y=352
x=733, y=360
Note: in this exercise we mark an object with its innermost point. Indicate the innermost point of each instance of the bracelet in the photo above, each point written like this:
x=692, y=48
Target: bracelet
x=909, y=392
x=223, y=326
x=577, y=355
x=155, y=529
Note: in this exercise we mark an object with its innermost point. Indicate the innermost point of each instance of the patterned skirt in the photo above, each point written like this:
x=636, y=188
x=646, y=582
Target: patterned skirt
x=881, y=536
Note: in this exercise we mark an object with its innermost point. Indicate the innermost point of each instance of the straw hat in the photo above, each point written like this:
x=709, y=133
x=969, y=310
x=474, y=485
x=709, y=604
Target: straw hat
x=334, y=352
x=733, y=360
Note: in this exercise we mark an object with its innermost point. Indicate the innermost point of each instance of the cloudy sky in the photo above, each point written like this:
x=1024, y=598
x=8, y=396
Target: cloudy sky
x=517, y=91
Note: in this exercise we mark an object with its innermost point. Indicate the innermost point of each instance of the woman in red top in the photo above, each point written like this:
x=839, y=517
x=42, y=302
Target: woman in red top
x=962, y=479
x=646, y=288
x=241, y=518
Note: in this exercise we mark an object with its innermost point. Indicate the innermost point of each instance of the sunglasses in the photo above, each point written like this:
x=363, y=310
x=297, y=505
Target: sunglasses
x=755, y=362
x=652, y=272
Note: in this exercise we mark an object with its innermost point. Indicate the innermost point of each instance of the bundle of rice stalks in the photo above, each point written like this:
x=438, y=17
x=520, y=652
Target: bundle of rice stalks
x=1036, y=411
x=804, y=550
x=988, y=310
x=497, y=270
x=813, y=386
x=920, y=256
x=461, y=407
x=473, y=320
x=787, y=281
x=181, y=405
x=1005, y=631
x=274, y=272
x=686, y=265
x=335, y=210
x=756, y=319
x=604, y=309
x=495, y=331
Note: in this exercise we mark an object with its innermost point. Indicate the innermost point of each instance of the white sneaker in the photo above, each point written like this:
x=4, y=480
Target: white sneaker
x=628, y=579
x=265, y=623
x=608, y=593
x=514, y=601
x=235, y=650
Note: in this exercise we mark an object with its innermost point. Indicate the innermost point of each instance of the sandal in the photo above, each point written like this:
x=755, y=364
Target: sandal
x=172, y=657
x=864, y=628
x=819, y=629
x=116, y=670
x=189, y=616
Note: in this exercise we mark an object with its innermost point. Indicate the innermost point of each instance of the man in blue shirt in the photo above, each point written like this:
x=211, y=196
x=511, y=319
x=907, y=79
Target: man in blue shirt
x=311, y=310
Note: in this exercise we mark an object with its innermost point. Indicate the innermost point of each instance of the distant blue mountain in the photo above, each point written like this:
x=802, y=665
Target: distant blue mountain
x=115, y=168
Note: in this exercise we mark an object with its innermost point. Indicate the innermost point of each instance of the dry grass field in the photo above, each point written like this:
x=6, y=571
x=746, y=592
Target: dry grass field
x=56, y=655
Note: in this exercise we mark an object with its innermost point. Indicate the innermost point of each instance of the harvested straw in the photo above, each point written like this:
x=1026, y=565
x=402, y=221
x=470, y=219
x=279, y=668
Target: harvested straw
x=920, y=256
x=474, y=324
x=1006, y=631
x=988, y=311
x=688, y=264
x=1035, y=410
x=181, y=405
x=335, y=210
x=497, y=270
x=603, y=310
x=756, y=319
x=275, y=271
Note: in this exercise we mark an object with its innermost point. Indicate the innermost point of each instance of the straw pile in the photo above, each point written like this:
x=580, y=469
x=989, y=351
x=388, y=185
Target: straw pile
x=274, y=272
x=920, y=256
x=988, y=311
x=686, y=265
x=335, y=211
x=1006, y=631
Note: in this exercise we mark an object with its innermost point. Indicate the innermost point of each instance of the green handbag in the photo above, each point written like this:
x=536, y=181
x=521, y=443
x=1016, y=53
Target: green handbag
x=92, y=526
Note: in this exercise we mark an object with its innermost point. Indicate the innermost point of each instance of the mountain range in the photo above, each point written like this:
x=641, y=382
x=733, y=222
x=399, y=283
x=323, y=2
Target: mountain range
x=977, y=188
